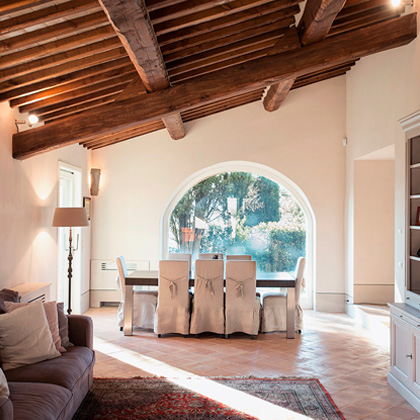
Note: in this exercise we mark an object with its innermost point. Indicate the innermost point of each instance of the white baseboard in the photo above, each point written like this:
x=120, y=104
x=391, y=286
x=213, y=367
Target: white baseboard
x=404, y=391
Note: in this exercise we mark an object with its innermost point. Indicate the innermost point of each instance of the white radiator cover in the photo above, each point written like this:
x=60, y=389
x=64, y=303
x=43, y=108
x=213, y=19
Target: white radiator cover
x=103, y=288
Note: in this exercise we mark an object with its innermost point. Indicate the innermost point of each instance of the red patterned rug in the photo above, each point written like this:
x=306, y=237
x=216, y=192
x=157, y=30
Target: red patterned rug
x=158, y=398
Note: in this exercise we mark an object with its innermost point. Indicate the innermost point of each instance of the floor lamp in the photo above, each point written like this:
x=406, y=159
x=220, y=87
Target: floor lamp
x=70, y=217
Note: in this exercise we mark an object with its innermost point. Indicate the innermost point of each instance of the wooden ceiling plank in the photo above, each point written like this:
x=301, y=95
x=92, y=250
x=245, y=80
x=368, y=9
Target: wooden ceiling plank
x=330, y=52
x=153, y=5
x=195, y=43
x=133, y=89
x=277, y=94
x=7, y=6
x=55, y=60
x=33, y=38
x=60, y=88
x=211, y=14
x=42, y=113
x=47, y=14
x=131, y=22
x=61, y=70
x=184, y=9
x=75, y=94
x=174, y=125
x=317, y=19
x=319, y=78
x=361, y=7
x=55, y=47
x=229, y=41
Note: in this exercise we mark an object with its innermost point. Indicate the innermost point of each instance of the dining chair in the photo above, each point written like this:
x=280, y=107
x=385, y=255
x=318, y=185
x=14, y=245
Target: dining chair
x=173, y=309
x=274, y=307
x=210, y=256
x=179, y=256
x=144, y=301
x=239, y=257
x=208, y=305
x=242, y=308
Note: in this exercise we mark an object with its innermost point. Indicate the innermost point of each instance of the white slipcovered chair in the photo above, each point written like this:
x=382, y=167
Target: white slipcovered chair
x=242, y=311
x=173, y=310
x=210, y=256
x=144, y=301
x=274, y=308
x=239, y=257
x=208, y=307
x=179, y=256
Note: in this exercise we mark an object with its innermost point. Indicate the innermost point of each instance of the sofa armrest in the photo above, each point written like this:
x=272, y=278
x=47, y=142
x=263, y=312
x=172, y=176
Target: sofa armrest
x=6, y=409
x=81, y=330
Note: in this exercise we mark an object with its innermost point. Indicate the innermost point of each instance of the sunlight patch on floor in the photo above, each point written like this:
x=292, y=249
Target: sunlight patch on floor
x=235, y=399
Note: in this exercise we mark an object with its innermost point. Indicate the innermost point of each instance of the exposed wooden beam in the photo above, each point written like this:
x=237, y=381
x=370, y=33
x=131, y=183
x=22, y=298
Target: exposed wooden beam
x=277, y=94
x=317, y=19
x=131, y=22
x=268, y=70
x=47, y=14
x=7, y=6
x=174, y=125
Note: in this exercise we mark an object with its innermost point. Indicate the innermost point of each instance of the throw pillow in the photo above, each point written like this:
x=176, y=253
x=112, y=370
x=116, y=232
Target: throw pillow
x=7, y=295
x=63, y=326
x=52, y=318
x=4, y=387
x=25, y=337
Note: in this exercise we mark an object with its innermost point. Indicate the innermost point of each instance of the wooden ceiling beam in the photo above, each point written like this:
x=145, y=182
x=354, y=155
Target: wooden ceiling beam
x=61, y=88
x=131, y=22
x=229, y=42
x=61, y=71
x=252, y=75
x=317, y=19
x=48, y=14
x=319, y=78
x=7, y=6
x=37, y=106
x=153, y=5
x=55, y=47
x=50, y=62
x=198, y=42
x=277, y=94
x=361, y=7
x=211, y=14
x=33, y=38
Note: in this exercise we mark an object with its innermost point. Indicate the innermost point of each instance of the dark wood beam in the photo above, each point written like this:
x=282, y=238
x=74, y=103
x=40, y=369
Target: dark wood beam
x=277, y=94
x=317, y=19
x=174, y=125
x=268, y=70
x=7, y=6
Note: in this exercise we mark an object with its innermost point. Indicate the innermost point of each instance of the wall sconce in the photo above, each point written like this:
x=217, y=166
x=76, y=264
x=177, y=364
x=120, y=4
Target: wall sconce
x=95, y=174
x=397, y=3
x=32, y=119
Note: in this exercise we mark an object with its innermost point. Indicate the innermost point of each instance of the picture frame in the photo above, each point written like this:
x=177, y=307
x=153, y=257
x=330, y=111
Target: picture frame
x=417, y=222
x=87, y=204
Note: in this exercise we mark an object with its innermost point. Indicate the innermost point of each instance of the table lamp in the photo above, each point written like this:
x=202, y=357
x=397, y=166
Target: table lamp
x=70, y=217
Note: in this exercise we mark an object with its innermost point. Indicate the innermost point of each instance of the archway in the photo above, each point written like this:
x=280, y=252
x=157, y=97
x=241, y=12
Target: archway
x=307, y=300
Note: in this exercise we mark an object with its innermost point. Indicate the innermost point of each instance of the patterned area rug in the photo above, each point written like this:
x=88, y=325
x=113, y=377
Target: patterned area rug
x=157, y=398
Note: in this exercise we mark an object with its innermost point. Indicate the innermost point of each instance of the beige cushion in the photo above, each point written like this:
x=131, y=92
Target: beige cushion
x=52, y=318
x=63, y=326
x=25, y=337
x=4, y=387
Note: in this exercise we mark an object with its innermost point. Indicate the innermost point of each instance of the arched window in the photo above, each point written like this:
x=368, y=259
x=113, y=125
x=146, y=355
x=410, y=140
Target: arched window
x=241, y=212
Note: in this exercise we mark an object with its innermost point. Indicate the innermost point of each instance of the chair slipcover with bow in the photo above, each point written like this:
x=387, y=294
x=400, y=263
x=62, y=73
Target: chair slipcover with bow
x=208, y=308
x=144, y=301
x=210, y=256
x=242, y=312
x=239, y=257
x=173, y=310
x=274, y=311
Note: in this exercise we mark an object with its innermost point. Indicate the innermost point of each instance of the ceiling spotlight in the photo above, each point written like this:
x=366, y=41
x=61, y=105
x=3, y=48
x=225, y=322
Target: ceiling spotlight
x=33, y=119
x=397, y=3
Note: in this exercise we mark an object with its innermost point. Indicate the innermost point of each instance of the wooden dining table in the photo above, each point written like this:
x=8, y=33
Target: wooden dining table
x=264, y=280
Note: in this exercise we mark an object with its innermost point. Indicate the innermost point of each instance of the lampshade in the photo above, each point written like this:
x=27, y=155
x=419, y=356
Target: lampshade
x=70, y=216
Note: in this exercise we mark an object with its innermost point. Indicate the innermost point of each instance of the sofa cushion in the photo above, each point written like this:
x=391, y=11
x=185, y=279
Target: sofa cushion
x=7, y=295
x=4, y=388
x=63, y=326
x=25, y=337
x=64, y=371
x=38, y=401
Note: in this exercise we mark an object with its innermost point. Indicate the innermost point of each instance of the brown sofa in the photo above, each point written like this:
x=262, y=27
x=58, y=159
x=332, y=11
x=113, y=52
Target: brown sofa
x=53, y=389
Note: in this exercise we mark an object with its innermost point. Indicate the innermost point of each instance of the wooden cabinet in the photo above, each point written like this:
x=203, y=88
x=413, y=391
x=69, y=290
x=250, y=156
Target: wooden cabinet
x=404, y=374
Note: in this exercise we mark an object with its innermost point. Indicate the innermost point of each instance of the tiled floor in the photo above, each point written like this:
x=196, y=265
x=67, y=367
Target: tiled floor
x=349, y=360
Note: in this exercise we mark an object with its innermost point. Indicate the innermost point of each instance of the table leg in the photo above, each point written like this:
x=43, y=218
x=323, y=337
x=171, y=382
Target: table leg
x=128, y=311
x=290, y=319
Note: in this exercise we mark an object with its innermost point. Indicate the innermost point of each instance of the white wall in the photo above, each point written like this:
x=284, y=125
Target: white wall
x=28, y=191
x=374, y=202
x=381, y=89
x=302, y=140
